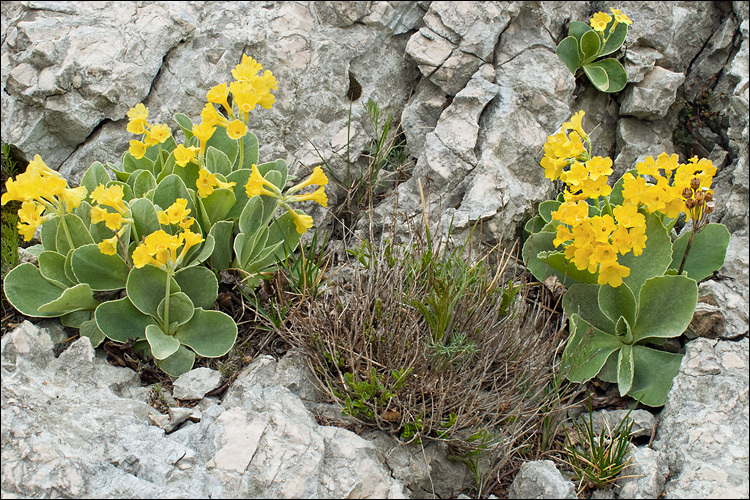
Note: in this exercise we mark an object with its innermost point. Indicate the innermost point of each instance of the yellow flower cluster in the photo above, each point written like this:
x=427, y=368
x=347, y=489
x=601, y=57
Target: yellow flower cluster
x=110, y=197
x=152, y=134
x=598, y=240
x=160, y=248
x=258, y=185
x=663, y=197
x=207, y=181
x=44, y=194
x=600, y=20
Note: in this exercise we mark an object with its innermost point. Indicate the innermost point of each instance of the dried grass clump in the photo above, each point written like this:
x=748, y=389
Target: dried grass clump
x=426, y=344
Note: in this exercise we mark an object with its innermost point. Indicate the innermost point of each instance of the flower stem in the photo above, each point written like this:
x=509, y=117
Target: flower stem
x=687, y=251
x=166, y=303
x=242, y=154
x=67, y=232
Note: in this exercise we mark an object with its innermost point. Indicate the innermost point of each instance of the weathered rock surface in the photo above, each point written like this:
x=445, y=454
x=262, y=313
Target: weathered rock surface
x=75, y=426
x=703, y=429
x=196, y=383
x=541, y=479
x=651, y=98
x=649, y=471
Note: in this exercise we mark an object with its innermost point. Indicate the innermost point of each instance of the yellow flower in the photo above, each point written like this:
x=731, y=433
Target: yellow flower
x=572, y=213
x=111, y=197
x=112, y=220
x=72, y=198
x=141, y=257
x=31, y=213
x=638, y=237
x=108, y=246
x=317, y=178
x=627, y=215
x=137, y=149
x=236, y=129
x=160, y=133
x=301, y=221
x=600, y=20
x=553, y=167
x=563, y=235
x=203, y=132
x=620, y=17
x=26, y=230
x=191, y=239
x=183, y=155
x=621, y=240
x=319, y=196
x=139, y=111
x=576, y=124
x=137, y=126
x=599, y=167
x=611, y=273
x=211, y=116
x=604, y=253
x=603, y=225
x=175, y=214
x=218, y=95
x=582, y=258
x=256, y=185
x=244, y=95
x=247, y=69
x=205, y=183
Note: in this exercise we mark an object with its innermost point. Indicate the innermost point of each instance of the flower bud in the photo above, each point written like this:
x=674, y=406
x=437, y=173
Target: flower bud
x=687, y=193
x=698, y=195
x=710, y=207
x=689, y=203
x=695, y=183
x=708, y=196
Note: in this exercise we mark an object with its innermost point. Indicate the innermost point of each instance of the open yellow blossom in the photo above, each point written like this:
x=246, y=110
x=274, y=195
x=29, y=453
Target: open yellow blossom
x=110, y=196
x=627, y=215
x=206, y=182
x=211, y=116
x=236, y=129
x=576, y=124
x=175, y=213
x=30, y=217
x=160, y=132
x=611, y=273
x=184, y=155
x=302, y=222
x=112, y=220
x=247, y=69
x=190, y=240
x=600, y=20
x=108, y=246
x=137, y=149
x=318, y=196
x=572, y=213
x=553, y=167
x=317, y=178
x=620, y=17
x=137, y=126
x=256, y=185
x=139, y=111
x=203, y=131
x=218, y=95
x=160, y=249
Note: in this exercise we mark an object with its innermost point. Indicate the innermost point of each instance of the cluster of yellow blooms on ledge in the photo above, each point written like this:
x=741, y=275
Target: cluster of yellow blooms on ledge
x=44, y=194
x=593, y=243
x=600, y=20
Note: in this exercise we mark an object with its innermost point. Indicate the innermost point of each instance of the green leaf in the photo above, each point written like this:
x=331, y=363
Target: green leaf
x=217, y=162
x=218, y=204
x=162, y=345
x=586, y=351
x=617, y=78
x=252, y=216
x=546, y=208
x=181, y=309
x=583, y=299
x=666, y=306
x=52, y=267
x=76, y=318
x=76, y=229
x=130, y=164
x=189, y=174
x=89, y=329
x=142, y=183
x=615, y=197
x=121, y=321
x=171, y=188
x=250, y=147
x=209, y=333
x=200, y=285
x=200, y=253
x=568, y=53
x=707, y=252
x=221, y=258
x=653, y=374
x=534, y=224
x=101, y=272
x=590, y=45
x=69, y=267
x=557, y=261
x=577, y=29
x=145, y=218
x=598, y=76
x=535, y=244
x=96, y=174
x=185, y=124
x=615, y=40
x=146, y=288
x=654, y=260
x=279, y=179
x=27, y=290
x=222, y=142
x=617, y=302
x=72, y=299
x=240, y=178
x=178, y=363
x=625, y=369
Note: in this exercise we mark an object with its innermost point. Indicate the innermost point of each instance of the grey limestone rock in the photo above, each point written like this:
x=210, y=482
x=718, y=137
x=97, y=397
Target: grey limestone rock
x=649, y=471
x=651, y=98
x=196, y=383
x=541, y=479
x=703, y=429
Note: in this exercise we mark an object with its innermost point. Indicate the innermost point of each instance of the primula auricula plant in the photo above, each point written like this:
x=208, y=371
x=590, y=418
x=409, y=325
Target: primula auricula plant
x=173, y=216
x=585, y=43
x=632, y=282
